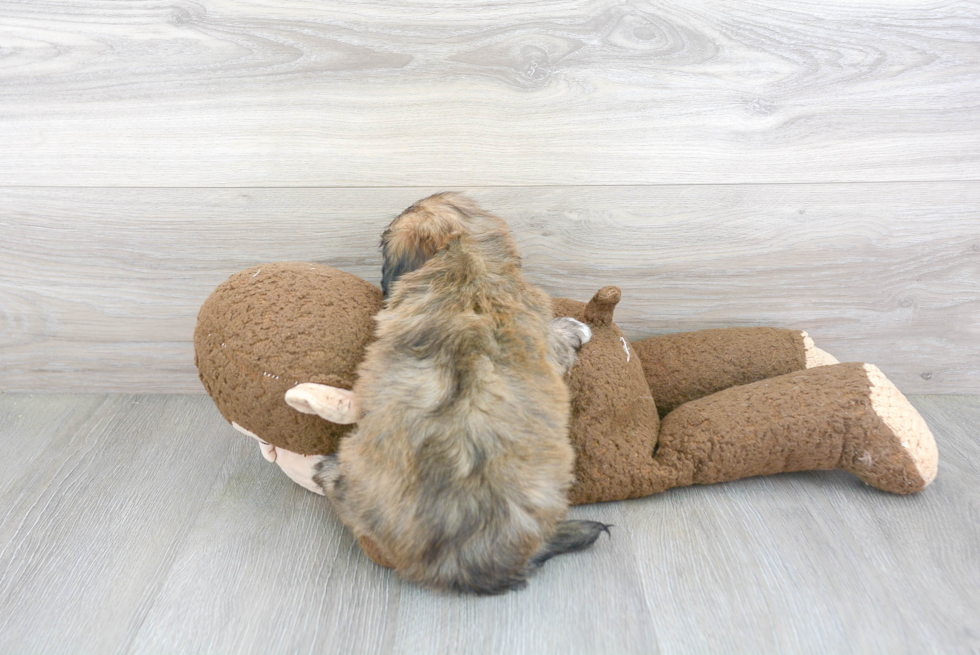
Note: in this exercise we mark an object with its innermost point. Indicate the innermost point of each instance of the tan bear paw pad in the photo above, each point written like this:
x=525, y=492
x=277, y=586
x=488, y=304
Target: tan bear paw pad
x=898, y=414
x=815, y=356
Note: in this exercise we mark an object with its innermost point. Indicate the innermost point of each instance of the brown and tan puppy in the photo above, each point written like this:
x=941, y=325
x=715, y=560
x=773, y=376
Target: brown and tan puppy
x=460, y=464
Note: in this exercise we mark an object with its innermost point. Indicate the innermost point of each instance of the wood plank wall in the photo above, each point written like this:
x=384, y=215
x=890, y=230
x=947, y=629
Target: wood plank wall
x=798, y=164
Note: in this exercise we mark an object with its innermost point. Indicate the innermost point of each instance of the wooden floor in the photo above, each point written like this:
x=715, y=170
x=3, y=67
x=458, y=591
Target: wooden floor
x=145, y=524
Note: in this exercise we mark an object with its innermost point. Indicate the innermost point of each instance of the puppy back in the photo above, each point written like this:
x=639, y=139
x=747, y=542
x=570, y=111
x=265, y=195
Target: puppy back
x=462, y=458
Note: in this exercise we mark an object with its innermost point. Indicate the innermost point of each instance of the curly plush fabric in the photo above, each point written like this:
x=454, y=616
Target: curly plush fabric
x=270, y=327
x=674, y=363
x=745, y=402
x=845, y=416
x=614, y=421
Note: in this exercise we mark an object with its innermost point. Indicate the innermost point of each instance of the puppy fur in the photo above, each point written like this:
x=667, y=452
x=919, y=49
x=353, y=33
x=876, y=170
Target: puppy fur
x=460, y=464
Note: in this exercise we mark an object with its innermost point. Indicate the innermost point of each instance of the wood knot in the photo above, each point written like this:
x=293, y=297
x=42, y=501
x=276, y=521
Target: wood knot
x=600, y=309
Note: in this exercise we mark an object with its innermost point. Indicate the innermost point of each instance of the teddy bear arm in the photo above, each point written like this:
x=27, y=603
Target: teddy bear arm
x=683, y=367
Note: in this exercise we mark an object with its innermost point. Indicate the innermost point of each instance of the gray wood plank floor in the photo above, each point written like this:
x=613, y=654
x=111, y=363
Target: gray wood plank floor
x=145, y=524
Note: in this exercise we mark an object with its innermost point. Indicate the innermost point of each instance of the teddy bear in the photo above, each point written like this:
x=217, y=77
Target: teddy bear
x=277, y=348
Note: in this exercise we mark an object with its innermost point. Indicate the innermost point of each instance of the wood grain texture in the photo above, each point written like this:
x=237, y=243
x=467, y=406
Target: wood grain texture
x=295, y=93
x=185, y=540
x=101, y=287
x=95, y=513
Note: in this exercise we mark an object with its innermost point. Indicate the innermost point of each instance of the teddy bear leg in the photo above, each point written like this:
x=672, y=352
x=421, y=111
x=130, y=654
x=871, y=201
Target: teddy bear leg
x=900, y=455
x=845, y=415
x=689, y=365
x=816, y=356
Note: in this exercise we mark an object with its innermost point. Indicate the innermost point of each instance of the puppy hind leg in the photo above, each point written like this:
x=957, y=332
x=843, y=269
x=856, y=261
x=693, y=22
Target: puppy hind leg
x=570, y=536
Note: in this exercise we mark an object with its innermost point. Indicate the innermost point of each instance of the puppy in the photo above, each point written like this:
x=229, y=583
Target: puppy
x=460, y=464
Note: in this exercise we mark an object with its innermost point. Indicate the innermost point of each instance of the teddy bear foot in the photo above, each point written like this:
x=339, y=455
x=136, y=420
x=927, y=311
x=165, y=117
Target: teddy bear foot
x=899, y=454
x=816, y=356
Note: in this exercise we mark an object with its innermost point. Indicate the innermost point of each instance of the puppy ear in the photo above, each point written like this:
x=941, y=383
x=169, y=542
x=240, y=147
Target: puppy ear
x=398, y=259
x=415, y=237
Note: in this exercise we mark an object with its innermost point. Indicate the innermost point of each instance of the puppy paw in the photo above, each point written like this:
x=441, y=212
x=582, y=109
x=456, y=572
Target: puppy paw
x=576, y=333
x=326, y=473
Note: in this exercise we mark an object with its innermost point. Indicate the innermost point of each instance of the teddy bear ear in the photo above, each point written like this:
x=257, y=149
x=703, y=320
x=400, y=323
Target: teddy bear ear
x=599, y=310
x=330, y=403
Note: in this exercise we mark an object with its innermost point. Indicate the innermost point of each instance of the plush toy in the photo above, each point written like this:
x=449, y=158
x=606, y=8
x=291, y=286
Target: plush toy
x=733, y=403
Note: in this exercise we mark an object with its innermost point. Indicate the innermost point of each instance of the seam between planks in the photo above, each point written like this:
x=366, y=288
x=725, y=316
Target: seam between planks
x=493, y=186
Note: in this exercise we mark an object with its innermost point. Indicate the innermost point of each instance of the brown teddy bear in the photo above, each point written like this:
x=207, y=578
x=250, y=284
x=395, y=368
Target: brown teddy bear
x=733, y=403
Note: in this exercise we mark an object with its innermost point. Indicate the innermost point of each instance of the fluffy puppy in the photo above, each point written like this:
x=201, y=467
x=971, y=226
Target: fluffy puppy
x=460, y=464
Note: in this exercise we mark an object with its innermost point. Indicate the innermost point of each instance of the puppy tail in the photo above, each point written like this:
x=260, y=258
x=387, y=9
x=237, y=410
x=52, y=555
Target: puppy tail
x=568, y=538
x=494, y=579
